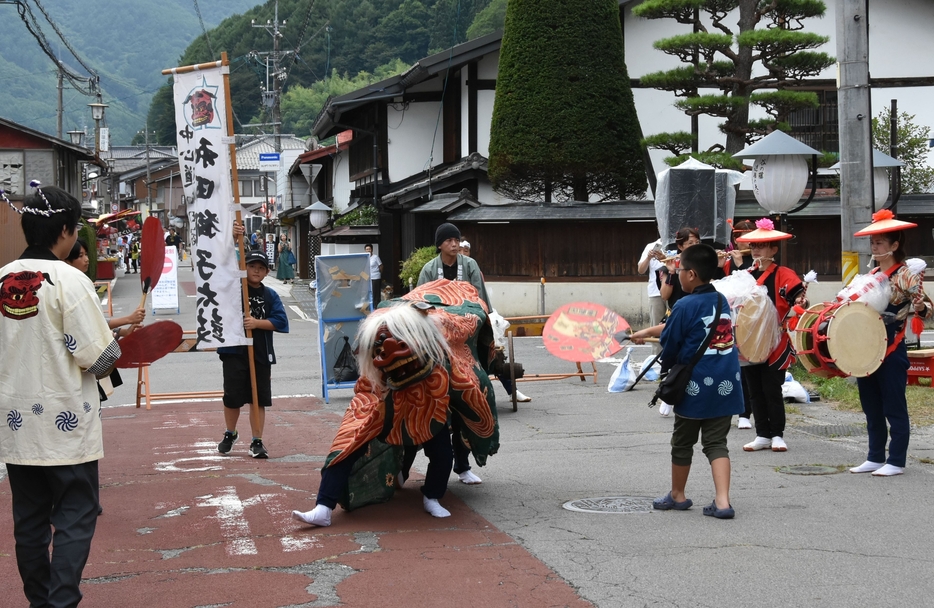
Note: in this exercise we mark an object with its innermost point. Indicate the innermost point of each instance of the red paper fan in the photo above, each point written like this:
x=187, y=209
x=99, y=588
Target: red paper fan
x=149, y=343
x=584, y=331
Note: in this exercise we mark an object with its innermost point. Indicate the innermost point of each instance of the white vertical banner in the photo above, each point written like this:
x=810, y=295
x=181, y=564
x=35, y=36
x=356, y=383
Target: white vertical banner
x=165, y=293
x=204, y=163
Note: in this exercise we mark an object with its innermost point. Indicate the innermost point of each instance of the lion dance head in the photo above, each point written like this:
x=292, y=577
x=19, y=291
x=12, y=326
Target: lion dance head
x=399, y=345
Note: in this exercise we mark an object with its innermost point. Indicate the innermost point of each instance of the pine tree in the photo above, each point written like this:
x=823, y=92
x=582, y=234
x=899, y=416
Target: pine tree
x=564, y=122
x=738, y=63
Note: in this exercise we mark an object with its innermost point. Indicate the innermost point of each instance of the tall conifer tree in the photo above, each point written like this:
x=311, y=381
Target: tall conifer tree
x=564, y=121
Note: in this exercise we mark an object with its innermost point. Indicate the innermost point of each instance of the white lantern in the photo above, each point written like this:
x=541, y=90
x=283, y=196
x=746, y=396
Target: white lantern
x=880, y=176
x=880, y=186
x=319, y=214
x=778, y=181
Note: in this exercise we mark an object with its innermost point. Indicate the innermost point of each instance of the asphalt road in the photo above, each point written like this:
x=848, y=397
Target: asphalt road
x=834, y=539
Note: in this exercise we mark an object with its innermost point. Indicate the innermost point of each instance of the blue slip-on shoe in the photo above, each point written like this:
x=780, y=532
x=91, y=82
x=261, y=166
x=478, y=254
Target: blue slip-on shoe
x=713, y=511
x=666, y=503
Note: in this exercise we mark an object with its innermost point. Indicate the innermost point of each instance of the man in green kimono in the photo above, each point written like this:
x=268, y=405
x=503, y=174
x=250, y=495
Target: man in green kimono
x=451, y=265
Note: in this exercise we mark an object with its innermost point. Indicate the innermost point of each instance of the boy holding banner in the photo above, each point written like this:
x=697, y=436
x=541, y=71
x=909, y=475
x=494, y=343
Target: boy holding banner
x=266, y=315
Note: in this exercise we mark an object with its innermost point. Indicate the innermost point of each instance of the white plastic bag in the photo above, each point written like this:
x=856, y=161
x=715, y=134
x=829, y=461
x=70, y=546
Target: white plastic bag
x=500, y=325
x=873, y=289
x=755, y=320
x=792, y=389
x=654, y=371
x=624, y=376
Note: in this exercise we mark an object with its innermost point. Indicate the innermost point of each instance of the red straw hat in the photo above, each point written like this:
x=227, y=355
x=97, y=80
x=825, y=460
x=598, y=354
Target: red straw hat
x=765, y=232
x=884, y=221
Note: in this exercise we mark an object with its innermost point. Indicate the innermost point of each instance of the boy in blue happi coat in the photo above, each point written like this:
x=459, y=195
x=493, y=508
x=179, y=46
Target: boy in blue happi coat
x=714, y=393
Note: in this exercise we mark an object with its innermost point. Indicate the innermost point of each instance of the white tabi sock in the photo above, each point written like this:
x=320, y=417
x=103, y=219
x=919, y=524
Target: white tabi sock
x=867, y=467
x=469, y=478
x=888, y=471
x=434, y=507
x=319, y=516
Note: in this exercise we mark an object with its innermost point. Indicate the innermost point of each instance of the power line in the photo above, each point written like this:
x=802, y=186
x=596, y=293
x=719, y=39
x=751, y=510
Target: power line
x=203, y=29
x=87, y=85
x=64, y=40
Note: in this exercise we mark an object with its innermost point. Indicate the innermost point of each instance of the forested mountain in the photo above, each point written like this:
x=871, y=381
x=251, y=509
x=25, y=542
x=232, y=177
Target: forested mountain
x=336, y=41
x=126, y=42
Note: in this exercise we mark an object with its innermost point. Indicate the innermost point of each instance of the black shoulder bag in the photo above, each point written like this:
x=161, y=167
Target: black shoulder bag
x=674, y=383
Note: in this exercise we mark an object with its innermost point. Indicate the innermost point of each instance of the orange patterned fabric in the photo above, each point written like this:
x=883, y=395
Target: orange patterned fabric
x=419, y=411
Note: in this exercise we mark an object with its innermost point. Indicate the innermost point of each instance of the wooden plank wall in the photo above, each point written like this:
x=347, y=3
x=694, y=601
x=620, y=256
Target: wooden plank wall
x=610, y=250
x=12, y=242
x=568, y=251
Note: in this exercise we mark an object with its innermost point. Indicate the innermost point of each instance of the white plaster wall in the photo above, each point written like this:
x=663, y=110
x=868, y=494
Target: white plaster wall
x=629, y=300
x=411, y=132
x=465, y=100
x=342, y=185
x=484, y=120
x=342, y=248
x=487, y=196
x=339, y=249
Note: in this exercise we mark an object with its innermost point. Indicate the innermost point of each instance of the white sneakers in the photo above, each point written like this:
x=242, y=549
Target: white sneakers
x=743, y=423
x=522, y=398
x=759, y=443
x=319, y=516
x=469, y=478
x=778, y=445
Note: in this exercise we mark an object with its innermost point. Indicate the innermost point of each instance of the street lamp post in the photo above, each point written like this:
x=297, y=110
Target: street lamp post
x=97, y=113
x=76, y=137
x=780, y=174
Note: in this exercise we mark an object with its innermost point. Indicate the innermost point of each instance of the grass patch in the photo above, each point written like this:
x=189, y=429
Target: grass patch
x=842, y=394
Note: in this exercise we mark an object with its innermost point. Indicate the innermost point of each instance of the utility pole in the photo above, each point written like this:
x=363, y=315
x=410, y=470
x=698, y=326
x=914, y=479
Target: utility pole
x=61, y=105
x=855, y=119
x=148, y=173
x=271, y=96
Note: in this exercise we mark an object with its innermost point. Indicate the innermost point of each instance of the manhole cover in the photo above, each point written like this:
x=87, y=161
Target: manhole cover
x=611, y=504
x=809, y=469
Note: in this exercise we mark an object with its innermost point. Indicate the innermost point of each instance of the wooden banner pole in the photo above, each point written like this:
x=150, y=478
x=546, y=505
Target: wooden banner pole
x=244, y=286
x=192, y=68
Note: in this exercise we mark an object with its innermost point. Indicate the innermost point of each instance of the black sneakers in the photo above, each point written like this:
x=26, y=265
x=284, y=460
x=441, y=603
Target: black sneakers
x=258, y=450
x=227, y=442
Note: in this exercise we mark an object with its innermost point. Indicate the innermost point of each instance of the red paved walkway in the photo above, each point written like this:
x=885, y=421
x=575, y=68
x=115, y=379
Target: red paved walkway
x=186, y=527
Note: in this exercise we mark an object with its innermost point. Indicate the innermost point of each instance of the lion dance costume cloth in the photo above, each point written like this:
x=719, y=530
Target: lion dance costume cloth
x=415, y=379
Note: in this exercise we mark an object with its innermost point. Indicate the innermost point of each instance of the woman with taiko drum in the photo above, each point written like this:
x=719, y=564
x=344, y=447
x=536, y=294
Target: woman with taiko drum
x=882, y=393
x=764, y=380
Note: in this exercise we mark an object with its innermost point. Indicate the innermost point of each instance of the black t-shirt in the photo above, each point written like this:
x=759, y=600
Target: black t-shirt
x=257, y=297
x=449, y=272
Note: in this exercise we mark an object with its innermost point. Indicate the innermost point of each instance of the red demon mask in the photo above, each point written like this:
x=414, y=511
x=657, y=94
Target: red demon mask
x=398, y=362
x=202, y=108
x=18, y=299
